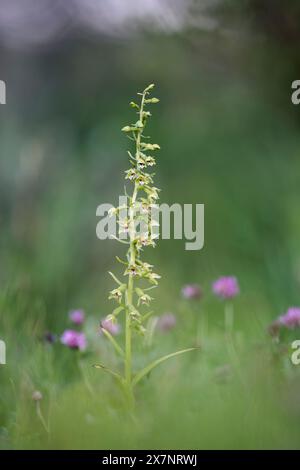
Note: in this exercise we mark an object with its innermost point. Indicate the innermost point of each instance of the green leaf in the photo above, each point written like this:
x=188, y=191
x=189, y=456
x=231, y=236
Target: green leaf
x=115, y=278
x=113, y=342
x=130, y=156
x=118, y=310
x=150, y=288
x=139, y=291
x=147, y=315
x=155, y=363
x=134, y=311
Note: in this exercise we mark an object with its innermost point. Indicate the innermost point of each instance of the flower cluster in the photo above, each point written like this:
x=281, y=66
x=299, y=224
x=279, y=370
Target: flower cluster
x=226, y=287
x=166, y=322
x=73, y=338
x=139, y=209
x=77, y=317
x=290, y=319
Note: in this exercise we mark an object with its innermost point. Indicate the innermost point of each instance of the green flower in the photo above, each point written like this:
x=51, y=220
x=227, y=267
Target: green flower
x=153, y=278
x=147, y=146
x=117, y=294
x=131, y=174
x=150, y=161
x=132, y=270
x=145, y=299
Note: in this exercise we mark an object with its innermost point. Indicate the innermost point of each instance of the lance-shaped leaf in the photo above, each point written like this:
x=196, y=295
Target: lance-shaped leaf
x=118, y=239
x=121, y=261
x=115, y=278
x=150, y=288
x=117, y=310
x=113, y=342
x=155, y=363
x=147, y=315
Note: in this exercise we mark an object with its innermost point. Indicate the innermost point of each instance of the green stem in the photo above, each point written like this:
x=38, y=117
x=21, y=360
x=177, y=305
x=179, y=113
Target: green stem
x=128, y=359
x=229, y=317
x=233, y=355
x=128, y=334
x=130, y=292
x=41, y=417
x=128, y=349
x=199, y=327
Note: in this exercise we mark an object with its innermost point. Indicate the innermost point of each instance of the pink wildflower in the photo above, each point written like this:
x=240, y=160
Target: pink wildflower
x=166, y=322
x=77, y=317
x=191, y=291
x=74, y=339
x=226, y=287
x=291, y=319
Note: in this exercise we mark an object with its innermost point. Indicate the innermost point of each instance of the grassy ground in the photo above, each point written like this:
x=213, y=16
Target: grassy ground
x=237, y=391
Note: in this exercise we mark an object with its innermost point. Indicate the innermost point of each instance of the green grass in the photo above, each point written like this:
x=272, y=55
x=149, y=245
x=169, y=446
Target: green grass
x=237, y=392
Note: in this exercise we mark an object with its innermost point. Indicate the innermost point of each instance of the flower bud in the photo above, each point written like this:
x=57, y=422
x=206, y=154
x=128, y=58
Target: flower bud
x=37, y=396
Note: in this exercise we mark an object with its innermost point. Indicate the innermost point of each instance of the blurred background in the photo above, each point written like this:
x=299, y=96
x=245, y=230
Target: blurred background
x=226, y=125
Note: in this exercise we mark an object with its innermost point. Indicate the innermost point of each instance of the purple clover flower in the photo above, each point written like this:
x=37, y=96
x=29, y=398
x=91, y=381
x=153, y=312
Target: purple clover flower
x=226, y=287
x=191, y=291
x=77, y=317
x=166, y=322
x=291, y=319
x=74, y=339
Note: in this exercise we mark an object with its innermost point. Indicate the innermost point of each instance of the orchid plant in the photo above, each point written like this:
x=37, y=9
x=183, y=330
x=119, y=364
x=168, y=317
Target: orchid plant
x=140, y=229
